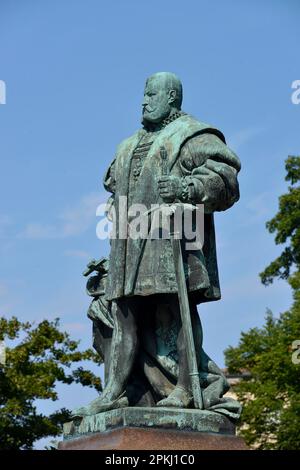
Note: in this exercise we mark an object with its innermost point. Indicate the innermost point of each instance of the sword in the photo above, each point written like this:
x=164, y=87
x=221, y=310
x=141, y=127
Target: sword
x=185, y=313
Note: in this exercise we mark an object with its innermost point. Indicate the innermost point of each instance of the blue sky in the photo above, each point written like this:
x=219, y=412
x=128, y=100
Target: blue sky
x=74, y=74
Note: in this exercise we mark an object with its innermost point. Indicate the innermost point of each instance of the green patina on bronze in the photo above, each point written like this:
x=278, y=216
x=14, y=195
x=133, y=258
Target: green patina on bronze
x=162, y=418
x=135, y=311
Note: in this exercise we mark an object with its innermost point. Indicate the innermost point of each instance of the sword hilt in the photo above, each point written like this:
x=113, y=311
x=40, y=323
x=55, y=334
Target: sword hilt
x=164, y=159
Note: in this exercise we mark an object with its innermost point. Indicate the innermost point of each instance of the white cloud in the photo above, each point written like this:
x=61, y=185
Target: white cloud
x=39, y=231
x=243, y=136
x=258, y=208
x=3, y=288
x=77, y=219
x=5, y=221
x=73, y=221
x=77, y=254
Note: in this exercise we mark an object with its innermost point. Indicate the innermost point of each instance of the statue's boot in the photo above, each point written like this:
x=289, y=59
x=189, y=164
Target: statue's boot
x=100, y=405
x=122, y=356
x=178, y=398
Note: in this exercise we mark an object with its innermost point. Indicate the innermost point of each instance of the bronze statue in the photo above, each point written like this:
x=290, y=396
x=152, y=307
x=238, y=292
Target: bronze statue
x=142, y=294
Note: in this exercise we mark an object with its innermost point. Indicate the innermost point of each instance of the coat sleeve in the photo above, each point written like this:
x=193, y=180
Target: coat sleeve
x=210, y=169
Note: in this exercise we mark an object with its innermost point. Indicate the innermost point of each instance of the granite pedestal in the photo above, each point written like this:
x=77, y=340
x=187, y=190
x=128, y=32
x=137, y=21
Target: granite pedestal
x=152, y=429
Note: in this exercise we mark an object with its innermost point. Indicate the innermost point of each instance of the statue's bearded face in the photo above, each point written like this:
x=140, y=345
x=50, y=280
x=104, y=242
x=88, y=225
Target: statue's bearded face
x=156, y=103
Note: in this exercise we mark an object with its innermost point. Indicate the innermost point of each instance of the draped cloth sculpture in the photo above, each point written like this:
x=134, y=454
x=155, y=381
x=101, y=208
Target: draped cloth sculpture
x=155, y=372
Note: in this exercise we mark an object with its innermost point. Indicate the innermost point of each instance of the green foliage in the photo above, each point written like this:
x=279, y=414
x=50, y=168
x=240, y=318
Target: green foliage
x=271, y=395
x=286, y=226
x=42, y=357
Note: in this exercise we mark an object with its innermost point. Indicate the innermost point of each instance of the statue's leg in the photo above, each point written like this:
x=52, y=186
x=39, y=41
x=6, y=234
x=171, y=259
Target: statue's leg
x=122, y=355
x=181, y=396
x=123, y=347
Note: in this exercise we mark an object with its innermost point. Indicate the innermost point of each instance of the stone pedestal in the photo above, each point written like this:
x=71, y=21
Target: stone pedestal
x=153, y=439
x=152, y=429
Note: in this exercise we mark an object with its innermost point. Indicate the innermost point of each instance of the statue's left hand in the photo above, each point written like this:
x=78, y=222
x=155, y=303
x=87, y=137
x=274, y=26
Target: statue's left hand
x=169, y=188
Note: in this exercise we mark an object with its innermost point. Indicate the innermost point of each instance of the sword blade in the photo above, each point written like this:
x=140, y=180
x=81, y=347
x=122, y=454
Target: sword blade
x=186, y=323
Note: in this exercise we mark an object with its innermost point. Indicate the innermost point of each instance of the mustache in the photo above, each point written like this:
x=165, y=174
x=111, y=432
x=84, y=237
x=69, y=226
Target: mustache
x=148, y=109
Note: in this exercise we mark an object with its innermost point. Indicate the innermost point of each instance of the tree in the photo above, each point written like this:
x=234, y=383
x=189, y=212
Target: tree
x=42, y=357
x=286, y=226
x=271, y=395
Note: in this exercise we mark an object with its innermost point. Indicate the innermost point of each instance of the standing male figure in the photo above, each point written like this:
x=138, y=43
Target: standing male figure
x=141, y=277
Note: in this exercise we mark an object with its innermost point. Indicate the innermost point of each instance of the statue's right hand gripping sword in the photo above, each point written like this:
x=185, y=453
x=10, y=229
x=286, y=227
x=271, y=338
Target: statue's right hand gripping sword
x=164, y=159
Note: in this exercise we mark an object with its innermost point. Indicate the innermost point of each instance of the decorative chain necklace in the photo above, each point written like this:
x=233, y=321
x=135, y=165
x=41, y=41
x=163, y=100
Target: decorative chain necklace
x=145, y=143
x=172, y=118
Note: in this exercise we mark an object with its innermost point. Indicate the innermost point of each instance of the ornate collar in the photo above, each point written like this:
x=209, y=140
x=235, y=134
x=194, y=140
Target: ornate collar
x=172, y=118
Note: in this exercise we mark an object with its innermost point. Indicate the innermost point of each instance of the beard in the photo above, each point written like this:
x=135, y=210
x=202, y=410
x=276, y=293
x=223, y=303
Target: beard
x=155, y=115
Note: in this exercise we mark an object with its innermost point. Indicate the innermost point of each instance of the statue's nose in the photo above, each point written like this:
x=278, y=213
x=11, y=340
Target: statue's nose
x=145, y=101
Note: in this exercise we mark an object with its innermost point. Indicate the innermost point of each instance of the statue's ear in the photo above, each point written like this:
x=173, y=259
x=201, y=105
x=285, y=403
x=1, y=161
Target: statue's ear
x=172, y=96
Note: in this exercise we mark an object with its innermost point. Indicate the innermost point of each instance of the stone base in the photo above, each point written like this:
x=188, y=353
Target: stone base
x=153, y=439
x=138, y=428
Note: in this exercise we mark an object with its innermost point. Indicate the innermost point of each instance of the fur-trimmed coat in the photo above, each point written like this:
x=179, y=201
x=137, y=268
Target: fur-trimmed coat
x=198, y=153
